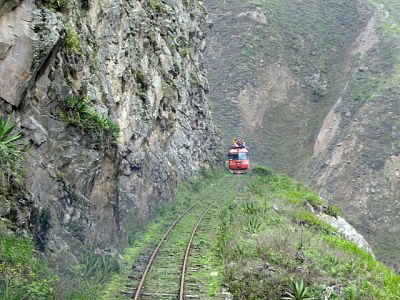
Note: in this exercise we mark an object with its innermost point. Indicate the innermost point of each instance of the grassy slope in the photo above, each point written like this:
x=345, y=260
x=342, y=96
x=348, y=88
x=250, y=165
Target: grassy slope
x=265, y=236
x=23, y=273
x=270, y=236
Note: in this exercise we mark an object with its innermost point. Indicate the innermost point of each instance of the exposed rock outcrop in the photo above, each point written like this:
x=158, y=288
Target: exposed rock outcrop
x=137, y=65
x=16, y=49
x=347, y=231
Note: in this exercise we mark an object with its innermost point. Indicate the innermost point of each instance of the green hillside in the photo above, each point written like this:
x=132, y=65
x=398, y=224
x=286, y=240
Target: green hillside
x=263, y=237
x=313, y=87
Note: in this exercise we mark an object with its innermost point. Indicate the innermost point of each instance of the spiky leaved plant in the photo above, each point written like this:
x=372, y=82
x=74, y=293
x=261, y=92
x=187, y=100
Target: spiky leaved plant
x=9, y=152
x=300, y=292
x=253, y=225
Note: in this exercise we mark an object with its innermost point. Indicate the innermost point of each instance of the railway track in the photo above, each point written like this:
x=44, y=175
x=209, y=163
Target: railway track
x=168, y=272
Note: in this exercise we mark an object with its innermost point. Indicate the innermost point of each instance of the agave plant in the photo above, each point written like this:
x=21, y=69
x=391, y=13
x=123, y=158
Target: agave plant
x=9, y=152
x=300, y=292
x=251, y=208
x=253, y=225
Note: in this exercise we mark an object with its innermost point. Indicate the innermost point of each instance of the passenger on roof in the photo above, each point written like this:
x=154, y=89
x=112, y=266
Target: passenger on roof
x=240, y=143
x=234, y=142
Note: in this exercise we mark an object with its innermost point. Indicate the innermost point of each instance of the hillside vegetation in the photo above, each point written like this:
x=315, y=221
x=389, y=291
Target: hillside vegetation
x=267, y=236
x=313, y=87
x=276, y=68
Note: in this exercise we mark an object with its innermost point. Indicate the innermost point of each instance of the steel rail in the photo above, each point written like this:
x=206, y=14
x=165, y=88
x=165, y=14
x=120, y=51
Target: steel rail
x=189, y=246
x=155, y=252
x=187, y=253
x=146, y=271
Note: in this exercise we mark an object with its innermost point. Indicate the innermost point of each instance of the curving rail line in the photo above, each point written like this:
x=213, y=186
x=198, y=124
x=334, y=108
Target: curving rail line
x=188, y=248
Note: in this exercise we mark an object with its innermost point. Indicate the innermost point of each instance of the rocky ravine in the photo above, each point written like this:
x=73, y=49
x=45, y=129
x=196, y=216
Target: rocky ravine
x=313, y=87
x=138, y=64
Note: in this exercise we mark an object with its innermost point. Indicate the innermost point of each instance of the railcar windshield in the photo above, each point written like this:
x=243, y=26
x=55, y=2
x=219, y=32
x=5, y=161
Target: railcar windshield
x=238, y=156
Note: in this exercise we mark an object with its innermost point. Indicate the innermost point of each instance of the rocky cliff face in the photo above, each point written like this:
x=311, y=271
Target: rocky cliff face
x=110, y=97
x=313, y=87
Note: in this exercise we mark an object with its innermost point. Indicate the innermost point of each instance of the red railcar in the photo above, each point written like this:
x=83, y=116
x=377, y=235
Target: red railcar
x=238, y=160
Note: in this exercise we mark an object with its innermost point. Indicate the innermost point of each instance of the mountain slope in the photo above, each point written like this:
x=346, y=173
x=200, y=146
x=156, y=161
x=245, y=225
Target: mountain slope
x=313, y=87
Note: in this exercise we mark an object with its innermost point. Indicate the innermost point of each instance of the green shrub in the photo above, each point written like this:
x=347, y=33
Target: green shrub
x=253, y=225
x=73, y=41
x=155, y=5
x=208, y=173
x=251, y=208
x=100, y=267
x=77, y=111
x=255, y=188
x=332, y=210
x=309, y=219
x=312, y=198
x=24, y=276
x=299, y=291
x=54, y=5
x=9, y=153
x=262, y=171
x=185, y=52
x=142, y=80
x=13, y=190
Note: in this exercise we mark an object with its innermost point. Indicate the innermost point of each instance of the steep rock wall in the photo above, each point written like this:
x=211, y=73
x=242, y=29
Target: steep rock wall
x=135, y=64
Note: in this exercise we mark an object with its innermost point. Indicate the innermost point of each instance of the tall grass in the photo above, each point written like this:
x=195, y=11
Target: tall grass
x=100, y=267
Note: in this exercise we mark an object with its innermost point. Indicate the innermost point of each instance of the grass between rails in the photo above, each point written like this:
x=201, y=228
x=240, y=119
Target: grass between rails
x=153, y=232
x=205, y=257
x=201, y=268
x=268, y=237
